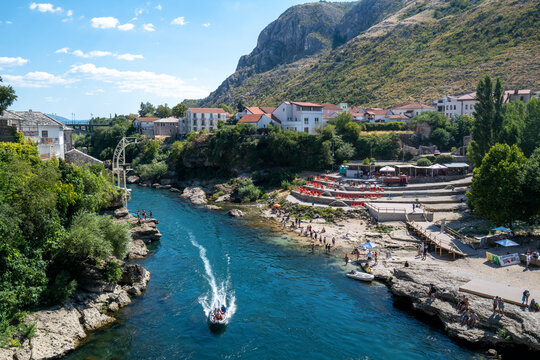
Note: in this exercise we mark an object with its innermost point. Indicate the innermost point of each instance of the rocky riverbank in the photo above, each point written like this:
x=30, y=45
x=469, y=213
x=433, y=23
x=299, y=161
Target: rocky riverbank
x=61, y=329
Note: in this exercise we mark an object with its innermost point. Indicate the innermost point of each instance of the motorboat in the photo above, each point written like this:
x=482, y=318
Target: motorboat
x=362, y=276
x=213, y=321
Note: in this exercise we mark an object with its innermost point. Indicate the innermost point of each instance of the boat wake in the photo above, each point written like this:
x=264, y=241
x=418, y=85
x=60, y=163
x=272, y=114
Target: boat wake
x=219, y=293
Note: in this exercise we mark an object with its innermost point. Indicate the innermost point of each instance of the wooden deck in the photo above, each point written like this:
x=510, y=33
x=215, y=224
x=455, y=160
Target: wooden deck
x=489, y=290
x=430, y=233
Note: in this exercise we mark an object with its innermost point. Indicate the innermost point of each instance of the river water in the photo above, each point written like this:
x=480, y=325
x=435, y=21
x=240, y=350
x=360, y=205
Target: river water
x=288, y=303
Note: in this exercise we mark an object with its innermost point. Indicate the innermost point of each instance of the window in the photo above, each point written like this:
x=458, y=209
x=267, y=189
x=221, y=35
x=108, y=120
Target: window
x=306, y=130
x=194, y=122
x=454, y=107
x=44, y=133
x=316, y=120
x=446, y=107
x=211, y=122
x=306, y=121
x=466, y=107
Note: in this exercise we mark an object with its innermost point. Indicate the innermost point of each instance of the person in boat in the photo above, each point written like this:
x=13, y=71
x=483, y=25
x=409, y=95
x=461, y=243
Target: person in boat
x=367, y=268
x=223, y=309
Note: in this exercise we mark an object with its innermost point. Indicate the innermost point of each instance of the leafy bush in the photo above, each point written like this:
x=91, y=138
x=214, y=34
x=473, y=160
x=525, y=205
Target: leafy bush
x=112, y=271
x=424, y=162
x=391, y=126
x=61, y=289
x=444, y=159
x=152, y=171
x=247, y=191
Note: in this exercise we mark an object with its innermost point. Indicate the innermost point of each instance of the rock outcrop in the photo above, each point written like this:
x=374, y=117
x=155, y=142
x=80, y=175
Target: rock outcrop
x=235, y=213
x=516, y=327
x=195, y=195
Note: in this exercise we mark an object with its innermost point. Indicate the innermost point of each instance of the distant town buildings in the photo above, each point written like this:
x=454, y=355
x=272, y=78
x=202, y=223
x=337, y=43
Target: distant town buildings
x=205, y=118
x=167, y=127
x=145, y=125
x=53, y=138
x=300, y=116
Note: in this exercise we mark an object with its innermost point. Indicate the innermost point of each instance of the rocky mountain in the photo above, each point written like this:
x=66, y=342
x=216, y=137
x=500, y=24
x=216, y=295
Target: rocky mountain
x=382, y=52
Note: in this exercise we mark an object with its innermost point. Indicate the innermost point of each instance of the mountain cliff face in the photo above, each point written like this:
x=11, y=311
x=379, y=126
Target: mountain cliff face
x=382, y=52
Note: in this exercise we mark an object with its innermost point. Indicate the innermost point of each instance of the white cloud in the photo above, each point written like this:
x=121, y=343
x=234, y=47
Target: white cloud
x=51, y=99
x=162, y=85
x=149, y=27
x=8, y=22
x=129, y=57
x=159, y=7
x=95, y=92
x=207, y=25
x=126, y=27
x=179, y=21
x=69, y=13
x=45, y=8
x=11, y=61
x=36, y=79
x=99, y=53
x=107, y=22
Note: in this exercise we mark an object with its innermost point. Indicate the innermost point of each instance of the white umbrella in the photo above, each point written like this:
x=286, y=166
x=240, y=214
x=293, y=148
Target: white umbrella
x=387, y=169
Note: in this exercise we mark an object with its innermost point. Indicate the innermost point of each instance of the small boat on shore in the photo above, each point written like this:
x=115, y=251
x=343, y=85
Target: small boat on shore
x=361, y=276
x=215, y=322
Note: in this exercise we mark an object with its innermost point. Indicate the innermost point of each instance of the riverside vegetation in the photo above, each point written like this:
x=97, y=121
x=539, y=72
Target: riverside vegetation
x=50, y=229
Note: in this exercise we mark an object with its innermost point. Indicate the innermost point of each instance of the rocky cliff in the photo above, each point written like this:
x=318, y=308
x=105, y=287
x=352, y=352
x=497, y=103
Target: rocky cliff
x=382, y=52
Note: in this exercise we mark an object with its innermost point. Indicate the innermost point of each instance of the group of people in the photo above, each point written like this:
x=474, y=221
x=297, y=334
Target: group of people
x=530, y=256
x=498, y=305
x=422, y=250
x=533, y=306
x=142, y=215
x=219, y=313
x=468, y=316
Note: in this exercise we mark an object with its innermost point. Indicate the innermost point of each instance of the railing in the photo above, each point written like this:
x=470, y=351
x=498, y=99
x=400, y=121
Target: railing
x=49, y=141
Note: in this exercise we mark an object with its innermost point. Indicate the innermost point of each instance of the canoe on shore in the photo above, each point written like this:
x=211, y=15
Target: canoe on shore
x=362, y=276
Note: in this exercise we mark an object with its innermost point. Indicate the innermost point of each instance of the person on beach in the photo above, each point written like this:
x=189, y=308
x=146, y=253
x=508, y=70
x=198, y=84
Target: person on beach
x=139, y=221
x=138, y=214
x=375, y=257
x=495, y=303
x=501, y=305
x=473, y=318
x=333, y=241
x=144, y=214
x=324, y=241
x=150, y=213
x=369, y=255
x=424, y=251
x=419, y=250
x=357, y=255
x=406, y=264
x=432, y=291
x=527, y=260
x=346, y=260
x=525, y=298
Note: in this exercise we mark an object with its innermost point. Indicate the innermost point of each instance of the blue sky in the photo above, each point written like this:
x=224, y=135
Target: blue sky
x=106, y=56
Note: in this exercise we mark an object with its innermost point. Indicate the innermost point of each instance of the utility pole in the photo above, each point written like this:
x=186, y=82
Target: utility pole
x=333, y=157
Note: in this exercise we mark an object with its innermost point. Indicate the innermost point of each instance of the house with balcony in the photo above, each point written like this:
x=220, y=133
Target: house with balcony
x=449, y=106
x=467, y=102
x=145, y=125
x=260, y=120
x=376, y=115
x=53, y=138
x=331, y=111
x=300, y=116
x=167, y=127
x=255, y=110
x=199, y=119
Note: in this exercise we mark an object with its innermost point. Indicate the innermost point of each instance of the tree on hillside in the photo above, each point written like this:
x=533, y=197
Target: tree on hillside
x=531, y=136
x=531, y=186
x=163, y=111
x=7, y=96
x=496, y=191
x=513, y=124
x=179, y=110
x=488, y=118
x=341, y=120
x=441, y=138
x=227, y=108
x=146, y=109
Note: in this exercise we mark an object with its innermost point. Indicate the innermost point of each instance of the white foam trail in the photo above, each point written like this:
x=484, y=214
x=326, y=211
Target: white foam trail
x=218, y=294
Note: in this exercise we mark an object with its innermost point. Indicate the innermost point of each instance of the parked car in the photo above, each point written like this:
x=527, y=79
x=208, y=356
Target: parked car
x=436, y=153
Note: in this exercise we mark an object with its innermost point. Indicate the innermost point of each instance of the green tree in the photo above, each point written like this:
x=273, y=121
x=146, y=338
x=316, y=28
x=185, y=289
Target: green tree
x=344, y=152
x=146, y=109
x=496, y=191
x=531, y=186
x=227, y=108
x=179, y=110
x=163, y=111
x=7, y=96
x=513, y=124
x=531, y=135
x=341, y=120
x=424, y=162
x=488, y=118
x=441, y=138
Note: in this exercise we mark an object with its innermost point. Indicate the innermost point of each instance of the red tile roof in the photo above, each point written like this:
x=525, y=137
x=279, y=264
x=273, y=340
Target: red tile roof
x=254, y=110
x=207, y=110
x=267, y=109
x=407, y=106
x=331, y=107
x=397, y=117
x=276, y=119
x=467, y=97
x=306, y=104
x=251, y=118
x=376, y=111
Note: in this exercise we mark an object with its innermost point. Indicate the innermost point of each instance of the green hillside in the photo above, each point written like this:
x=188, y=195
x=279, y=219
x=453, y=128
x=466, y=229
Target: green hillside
x=425, y=50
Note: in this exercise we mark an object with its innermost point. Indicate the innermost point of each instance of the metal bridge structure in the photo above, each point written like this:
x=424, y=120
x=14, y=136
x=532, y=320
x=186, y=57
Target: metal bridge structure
x=119, y=166
x=86, y=127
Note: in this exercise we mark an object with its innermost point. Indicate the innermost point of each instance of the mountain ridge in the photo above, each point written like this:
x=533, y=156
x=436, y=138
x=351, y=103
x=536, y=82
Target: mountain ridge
x=417, y=50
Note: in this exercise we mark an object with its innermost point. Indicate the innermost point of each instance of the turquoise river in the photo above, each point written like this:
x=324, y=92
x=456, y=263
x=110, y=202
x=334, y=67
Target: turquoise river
x=287, y=303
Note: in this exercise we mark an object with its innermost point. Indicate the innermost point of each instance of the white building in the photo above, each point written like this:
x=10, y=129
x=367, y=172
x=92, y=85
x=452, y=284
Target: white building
x=205, y=118
x=376, y=115
x=467, y=102
x=255, y=110
x=145, y=125
x=167, y=127
x=412, y=109
x=260, y=120
x=331, y=111
x=449, y=106
x=300, y=116
x=53, y=138
x=521, y=95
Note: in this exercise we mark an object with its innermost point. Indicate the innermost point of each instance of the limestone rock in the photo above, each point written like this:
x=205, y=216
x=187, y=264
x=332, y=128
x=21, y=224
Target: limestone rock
x=146, y=232
x=133, y=179
x=93, y=319
x=57, y=332
x=235, y=213
x=121, y=213
x=224, y=198
x=212, y=207
x=92, y=280
x=173, y=189
x=196, y=195
x=137, y=250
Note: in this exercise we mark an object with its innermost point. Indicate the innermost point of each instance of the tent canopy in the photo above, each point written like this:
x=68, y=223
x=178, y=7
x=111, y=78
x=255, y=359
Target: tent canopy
x=369, y=244
x=457, y=165
x=437, y=166
x=387, y=169
x=501, y=228
x=506, y=243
